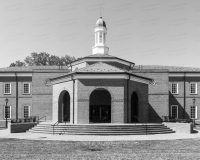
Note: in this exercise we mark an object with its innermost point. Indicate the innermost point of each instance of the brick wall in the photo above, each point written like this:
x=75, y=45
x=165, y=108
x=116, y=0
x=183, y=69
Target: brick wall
x=158, y=94
x=114, y=86
x=178, y=99
x=141, y=90
x=57, y=89
x=23, y=99
x=42, y=93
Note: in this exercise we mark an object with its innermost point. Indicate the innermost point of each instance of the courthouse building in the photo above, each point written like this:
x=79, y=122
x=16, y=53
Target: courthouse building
x=100, y=88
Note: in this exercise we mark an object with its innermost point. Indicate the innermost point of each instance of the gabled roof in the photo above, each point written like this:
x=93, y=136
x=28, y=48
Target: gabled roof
x=100, y=67
x=101, y=57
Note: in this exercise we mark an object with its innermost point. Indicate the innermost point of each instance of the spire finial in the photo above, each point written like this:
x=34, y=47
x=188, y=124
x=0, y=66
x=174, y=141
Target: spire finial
x=100, y=12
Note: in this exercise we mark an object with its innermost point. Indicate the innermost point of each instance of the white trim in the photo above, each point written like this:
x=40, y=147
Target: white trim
x=176, y=86
x=10, y=88
x=176, y=110
x=78, y=66
x=102, y=59
x=195, y=112
x=61, y=80
x=192, y=74
x=195, y=87
x=17, y=74
x=182, y=74
x=137, y=79
x=28, y=88
x=7, y=74
x=4, y=113
x=24, y=74
x=100, y=76
x=28, y=110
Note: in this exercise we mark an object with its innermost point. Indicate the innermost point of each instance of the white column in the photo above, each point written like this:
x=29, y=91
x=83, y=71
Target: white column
x=98, y=37
x=103, y=38
x=95, y=38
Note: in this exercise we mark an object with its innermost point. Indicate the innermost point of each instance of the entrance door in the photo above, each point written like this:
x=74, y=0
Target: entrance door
x=134, y=107
x=100, y=106
x=64, y=107
x=100, y=114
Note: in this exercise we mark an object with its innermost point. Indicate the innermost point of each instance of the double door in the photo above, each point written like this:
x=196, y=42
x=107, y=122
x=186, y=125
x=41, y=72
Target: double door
x=100, y=113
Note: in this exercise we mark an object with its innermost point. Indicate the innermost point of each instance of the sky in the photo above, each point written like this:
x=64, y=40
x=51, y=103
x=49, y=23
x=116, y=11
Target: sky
x=146, y=32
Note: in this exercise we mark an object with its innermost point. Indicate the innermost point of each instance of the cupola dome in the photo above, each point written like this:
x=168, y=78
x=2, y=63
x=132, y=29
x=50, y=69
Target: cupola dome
x=100, y=22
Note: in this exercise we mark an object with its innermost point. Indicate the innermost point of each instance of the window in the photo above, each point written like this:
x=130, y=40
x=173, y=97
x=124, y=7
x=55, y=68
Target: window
x=8, y=113
x=174, y=88
x=193, y=112
x=26, y=88
x=7, y=88
x=193, y=88
x=26, y=111
x=174, y=111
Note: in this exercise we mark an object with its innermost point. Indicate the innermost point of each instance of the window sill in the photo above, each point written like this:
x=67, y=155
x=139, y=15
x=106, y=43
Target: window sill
x=7, y=93
x=193, y=93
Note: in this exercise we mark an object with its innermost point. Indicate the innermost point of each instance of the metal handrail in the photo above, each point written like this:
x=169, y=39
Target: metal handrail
x=41, y=118
x=58, y=123
x=65, y=129
x=143, y=123
x=54, y=125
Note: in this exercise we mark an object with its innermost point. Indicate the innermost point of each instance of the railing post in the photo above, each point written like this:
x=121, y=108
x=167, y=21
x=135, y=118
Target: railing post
x=146, y=129
x=53, y=129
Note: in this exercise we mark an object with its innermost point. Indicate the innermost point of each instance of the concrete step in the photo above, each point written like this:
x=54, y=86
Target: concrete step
x=101, y=129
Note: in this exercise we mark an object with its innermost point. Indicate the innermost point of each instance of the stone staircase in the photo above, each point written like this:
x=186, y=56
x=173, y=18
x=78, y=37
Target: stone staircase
x=101, y=129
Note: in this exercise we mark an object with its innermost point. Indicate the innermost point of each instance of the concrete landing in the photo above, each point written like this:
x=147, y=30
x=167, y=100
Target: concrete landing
x=35, y=136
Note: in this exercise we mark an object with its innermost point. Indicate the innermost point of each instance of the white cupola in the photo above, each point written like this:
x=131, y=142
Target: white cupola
x=100, y=32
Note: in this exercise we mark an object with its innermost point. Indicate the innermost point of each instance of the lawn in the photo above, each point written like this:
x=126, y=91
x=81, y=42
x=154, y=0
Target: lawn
x=41, y=149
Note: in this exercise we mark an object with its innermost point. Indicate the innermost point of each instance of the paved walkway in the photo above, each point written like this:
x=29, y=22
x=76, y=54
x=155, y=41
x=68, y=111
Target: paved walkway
x=35, y=136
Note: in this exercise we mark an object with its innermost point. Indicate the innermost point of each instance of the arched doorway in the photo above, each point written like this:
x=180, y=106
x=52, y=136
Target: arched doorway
x=100, y=106
x=64, y=107
x=134, y=107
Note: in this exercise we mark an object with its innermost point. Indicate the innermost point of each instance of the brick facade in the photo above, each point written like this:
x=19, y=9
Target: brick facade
x=153, y=100
x=117, y=88
x=39, y=99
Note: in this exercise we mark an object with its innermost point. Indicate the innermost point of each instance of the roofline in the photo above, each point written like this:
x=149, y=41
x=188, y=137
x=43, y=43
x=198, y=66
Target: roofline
x=184, y=71
x=16, y=71
x=149, y=79
x=101, y=59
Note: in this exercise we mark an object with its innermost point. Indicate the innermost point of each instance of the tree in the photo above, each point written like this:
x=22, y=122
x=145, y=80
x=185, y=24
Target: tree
x=44, y=59
x=35, y=59
x=67, y=59
x=17, y=64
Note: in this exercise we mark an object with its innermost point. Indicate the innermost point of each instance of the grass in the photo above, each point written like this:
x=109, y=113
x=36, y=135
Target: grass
x=144, y=150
